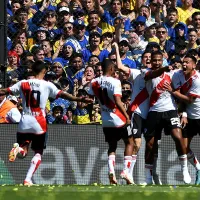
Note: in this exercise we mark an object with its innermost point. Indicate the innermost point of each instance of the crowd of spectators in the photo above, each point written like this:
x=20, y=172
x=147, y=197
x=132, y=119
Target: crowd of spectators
x=74, y=36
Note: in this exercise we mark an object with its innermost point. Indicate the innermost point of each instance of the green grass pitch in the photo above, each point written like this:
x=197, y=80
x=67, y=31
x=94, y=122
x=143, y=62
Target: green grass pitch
x=98, y=192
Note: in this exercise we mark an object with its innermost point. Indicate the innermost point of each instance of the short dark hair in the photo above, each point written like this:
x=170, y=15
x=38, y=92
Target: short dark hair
x=94, y=12
x=57, y=108
x=146, y=51
x=195, y=14
x=191, y=57
x=156, y=53
x=111, y=2
x=172, y=10
x=38, y=66
x=106, y=64
x=191, y=30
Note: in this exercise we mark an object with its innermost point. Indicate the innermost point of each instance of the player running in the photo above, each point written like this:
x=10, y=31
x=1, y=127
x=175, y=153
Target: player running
x=186, y=83
x=162, y=114
x=32, y=127
x=115, y=120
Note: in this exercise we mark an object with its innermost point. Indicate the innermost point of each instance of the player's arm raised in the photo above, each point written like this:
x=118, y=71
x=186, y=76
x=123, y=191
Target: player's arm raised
x=120, y=66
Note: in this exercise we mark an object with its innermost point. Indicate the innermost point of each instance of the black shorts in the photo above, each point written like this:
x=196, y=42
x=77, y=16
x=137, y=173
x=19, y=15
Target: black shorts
x=38, y=141
x=156, y=121
x=192, y=128
x=138, y=126
x=116, y=134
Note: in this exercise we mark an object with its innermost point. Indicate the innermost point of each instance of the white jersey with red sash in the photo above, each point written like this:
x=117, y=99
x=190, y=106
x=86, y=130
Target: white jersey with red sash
x=105, y=88
x=34, y=94
x=160, y=100
x=190, y=87
x=139, y=98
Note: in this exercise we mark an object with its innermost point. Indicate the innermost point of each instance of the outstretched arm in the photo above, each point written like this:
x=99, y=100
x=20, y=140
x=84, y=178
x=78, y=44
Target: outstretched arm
x=70, y=97
x=156, y=73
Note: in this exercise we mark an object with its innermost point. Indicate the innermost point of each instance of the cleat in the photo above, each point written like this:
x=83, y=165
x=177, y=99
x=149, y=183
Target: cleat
x=112, y=178
x=156, y=179
x=129, y=180
x=186, y=177
x=28, y=183
x=197, y=181
x=13, y=153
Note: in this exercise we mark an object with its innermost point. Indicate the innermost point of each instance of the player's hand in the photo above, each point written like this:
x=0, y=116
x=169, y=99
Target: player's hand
x=128, y=121
x=167, y=87
x=184, y=122
x=86, y=100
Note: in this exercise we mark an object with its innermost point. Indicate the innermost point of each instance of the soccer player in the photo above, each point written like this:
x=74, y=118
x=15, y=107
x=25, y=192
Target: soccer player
x=115, y=120
x=139, y=107
x=186, y=84
x=33, y=126
x=162, y=114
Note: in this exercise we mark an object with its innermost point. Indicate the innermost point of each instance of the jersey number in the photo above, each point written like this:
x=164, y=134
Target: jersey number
x=103, y=96
x=31, y=101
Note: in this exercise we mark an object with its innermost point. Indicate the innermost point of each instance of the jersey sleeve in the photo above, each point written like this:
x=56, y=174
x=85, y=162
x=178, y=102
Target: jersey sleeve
x=133, y=73
x=53, y=90
x=145, y=71
x=90, y=91
x=176, y=83
x=15, y=89
x=117, y=88
x=195, y=89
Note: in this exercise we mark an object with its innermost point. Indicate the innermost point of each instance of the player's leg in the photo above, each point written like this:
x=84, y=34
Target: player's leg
x=182, y=153
x=20, y=149
x=189, y=132
x=128, y=141
x=111, y=139
x=137, y=127
x=153, y=127
x=156, y=178
x=38, y=145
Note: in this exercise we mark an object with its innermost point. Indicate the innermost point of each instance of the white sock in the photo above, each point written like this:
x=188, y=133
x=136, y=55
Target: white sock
x=111, y=164
x=127, y=162
x=148, y=173
x=193, y=160
x=134, y=157
x=35, y=162
x=183, y=161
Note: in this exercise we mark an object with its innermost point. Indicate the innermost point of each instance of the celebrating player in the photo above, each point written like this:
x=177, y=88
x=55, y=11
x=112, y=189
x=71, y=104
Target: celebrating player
x=162, y=114
x=32, y=126
x=139, y=107
x=114, y=118
x=186, y=83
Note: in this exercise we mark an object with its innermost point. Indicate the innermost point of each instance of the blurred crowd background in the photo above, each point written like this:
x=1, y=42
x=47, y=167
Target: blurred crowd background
x=74, y=36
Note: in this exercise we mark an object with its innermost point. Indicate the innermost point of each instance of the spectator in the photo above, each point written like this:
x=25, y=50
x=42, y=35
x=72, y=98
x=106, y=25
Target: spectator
x=13, y=60
x=107, y=39
x=196, y=24
x=8, y=111
x=38, y=53
x=192, y=39
x=140, y=25
x=123, y=49
x=93, y=23
x=81, y=112
x=58, y=69
x=21, y=23
x=98, y=70
x=48, y=50
x=79, y=30
x=94, y=49
x=57, y=116
x=93, y=60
